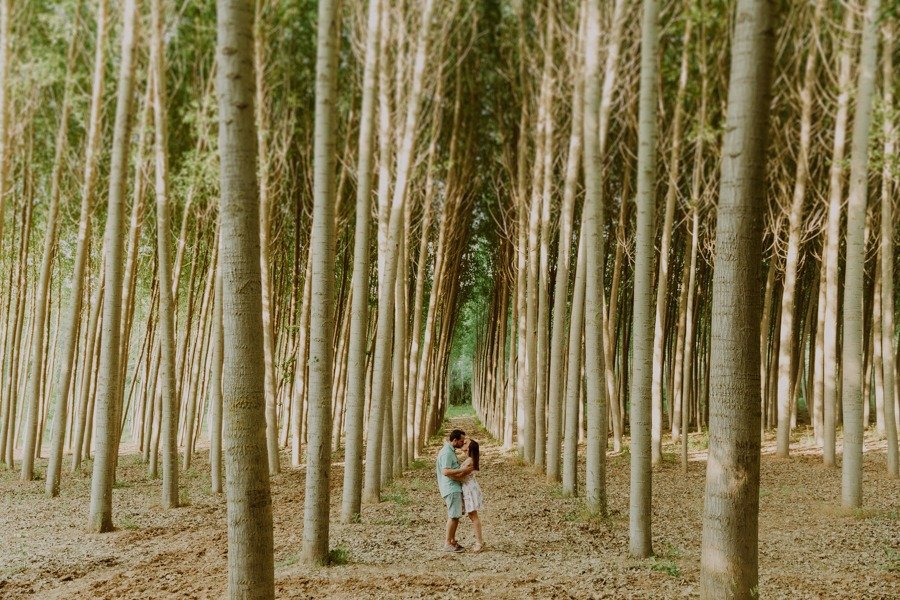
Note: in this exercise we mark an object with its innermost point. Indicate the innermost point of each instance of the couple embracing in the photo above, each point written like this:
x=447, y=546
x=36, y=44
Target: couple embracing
x=458, y=486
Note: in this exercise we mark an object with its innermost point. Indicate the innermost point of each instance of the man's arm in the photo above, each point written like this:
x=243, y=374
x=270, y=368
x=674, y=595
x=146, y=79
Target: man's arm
x=458, y=474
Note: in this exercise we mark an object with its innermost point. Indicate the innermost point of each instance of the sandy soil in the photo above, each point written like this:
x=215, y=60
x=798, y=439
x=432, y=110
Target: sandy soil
x=540, y=545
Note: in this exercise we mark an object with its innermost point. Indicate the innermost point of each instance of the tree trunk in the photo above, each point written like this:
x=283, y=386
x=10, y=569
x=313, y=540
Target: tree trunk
x=250, y=547
x=645, y=234
x=595, y=478
x=887, y=257
x=852, y=344
x=109, y=398
x=785, y=352
x=728, y=562
x=41, y=299
x=321, y=247
x=169, y=427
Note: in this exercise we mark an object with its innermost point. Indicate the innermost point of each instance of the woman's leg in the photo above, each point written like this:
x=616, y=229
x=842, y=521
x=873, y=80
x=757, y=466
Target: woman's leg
x=476, y=526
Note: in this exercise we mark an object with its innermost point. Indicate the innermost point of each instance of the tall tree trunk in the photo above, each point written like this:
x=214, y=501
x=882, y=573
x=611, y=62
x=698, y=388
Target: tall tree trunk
x=169, y=430
x=785, y=352
x=82, y=255
x=887, y=256
x=33, y=395
x=645, y=235
x=595, y=478
x=574, y=374
x=215, y=400
x=251, y=568
x=109, y=398
x=728, y=562
x=832, y=244
x=852, y=345
x=662, y=281
x=321, y=246
x=356, y=367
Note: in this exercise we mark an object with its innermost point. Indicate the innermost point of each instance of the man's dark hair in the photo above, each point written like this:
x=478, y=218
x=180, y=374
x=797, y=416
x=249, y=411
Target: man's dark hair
x=456, y=434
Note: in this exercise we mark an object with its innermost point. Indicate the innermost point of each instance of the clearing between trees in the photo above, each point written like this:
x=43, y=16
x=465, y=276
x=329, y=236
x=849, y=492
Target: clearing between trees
x=540, y=544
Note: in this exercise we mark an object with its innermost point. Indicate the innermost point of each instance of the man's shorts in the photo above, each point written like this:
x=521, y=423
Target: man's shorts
x=454, y=503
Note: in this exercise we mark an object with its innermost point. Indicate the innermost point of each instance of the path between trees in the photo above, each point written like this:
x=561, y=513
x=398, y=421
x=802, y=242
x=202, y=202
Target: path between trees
x=540, y=545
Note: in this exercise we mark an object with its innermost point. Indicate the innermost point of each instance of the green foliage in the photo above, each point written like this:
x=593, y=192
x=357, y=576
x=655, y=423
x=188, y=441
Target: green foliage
x=662, y=565
x=338, y=556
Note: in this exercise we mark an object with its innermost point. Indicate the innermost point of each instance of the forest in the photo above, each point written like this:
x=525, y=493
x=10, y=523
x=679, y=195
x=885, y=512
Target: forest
x=258, y=258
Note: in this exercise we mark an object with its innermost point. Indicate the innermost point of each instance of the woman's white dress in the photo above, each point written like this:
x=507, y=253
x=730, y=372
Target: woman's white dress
x=473, y=499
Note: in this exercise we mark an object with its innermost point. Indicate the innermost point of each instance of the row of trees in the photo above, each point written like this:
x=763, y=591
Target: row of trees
x=326, y=231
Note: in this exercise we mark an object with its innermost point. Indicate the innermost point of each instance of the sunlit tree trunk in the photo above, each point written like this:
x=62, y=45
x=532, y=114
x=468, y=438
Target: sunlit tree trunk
x=249, y=505
x=318, y=464
x=728, y=562
x=73, y=319
x=108, y=394
x=169, y=428
x=785, y=352
x=642, y=375
x=852, y=345
x=42, y=306
x=887, y=254
x=595, y=478
x=833, y=234
x=359, y=316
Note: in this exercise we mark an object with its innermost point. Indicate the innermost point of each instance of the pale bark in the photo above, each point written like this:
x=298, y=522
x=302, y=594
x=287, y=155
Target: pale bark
x=574, y=375
x=595, y=478
x=37, y=359
x=832, y=244
x=382, y=365
x=166, y=387
x=852, y=344
x=785, y=352
x=887, y=254
x=321, y=247
x=728, y=562
x=642, y=370
x=356, y=367
x=73, y=318
x=108, y=394
x=249, y=504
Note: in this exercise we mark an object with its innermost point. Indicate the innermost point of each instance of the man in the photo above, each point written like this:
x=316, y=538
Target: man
x=449, y=478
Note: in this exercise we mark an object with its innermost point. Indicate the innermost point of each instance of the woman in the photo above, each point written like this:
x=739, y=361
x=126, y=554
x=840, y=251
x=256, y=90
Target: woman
x=473, y=499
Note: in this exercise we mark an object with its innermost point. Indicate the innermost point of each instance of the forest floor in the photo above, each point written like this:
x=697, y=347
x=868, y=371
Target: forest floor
x=539, y=544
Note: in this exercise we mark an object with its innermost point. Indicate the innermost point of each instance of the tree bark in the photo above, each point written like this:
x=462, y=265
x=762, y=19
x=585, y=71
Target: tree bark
x=852, y=345
x=249, y=506
x=108, y=394
x=728, y=562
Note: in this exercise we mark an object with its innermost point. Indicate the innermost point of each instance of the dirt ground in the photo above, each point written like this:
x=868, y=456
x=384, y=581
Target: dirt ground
x=540, y=545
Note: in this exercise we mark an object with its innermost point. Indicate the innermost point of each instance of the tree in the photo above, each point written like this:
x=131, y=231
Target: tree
x=251, y=569
x=642, y=376
x=852, y=371
x=318, y=464
x=109, y=396
x=169, y=430
x=356, y=374
x=728, y=562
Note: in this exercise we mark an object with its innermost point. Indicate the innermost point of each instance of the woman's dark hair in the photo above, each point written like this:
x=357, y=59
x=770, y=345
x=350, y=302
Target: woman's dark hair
x=474, y=453
x=456, y=434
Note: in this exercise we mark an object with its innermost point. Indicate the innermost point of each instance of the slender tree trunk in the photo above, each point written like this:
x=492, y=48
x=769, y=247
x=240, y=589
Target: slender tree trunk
x=595, y=478
x=108, y=394
x=73, y=318
x=852, y=344
x=33, y=395
x=250, y=547
x=833, y=234
x=642, y=376
x=356, y=368
x=887, y=256
x=785, y=352
x=321, y=247
x=574, y=374
x=728, y=562
x=166, y=388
